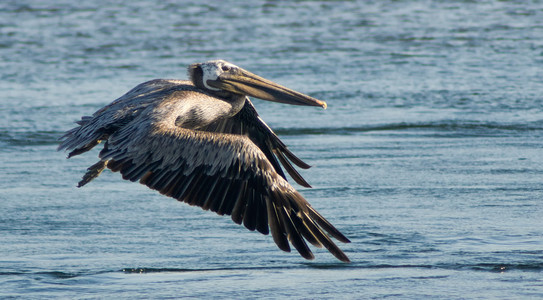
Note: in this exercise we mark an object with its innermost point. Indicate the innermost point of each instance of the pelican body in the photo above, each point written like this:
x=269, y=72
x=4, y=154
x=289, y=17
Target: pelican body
x=202, y=142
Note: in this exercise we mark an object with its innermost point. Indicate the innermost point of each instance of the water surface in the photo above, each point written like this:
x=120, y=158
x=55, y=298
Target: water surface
x=428, y=157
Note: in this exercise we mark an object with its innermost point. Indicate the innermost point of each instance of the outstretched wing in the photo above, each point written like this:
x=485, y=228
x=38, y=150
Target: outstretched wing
x=248, y=122
x=94, y=129
x=224, y=173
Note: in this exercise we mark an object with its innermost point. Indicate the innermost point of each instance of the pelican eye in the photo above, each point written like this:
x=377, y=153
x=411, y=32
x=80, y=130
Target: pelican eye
x=225, y=68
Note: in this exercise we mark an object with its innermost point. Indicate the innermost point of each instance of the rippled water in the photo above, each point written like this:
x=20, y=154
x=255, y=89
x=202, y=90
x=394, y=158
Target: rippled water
x=428, y=157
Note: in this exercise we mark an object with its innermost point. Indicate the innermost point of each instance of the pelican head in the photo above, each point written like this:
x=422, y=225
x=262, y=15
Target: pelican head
x=219, y=76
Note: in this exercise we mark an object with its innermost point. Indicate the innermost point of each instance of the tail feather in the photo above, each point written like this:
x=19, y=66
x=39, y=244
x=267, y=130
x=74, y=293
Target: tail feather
x=82, y=138
x=93, y=172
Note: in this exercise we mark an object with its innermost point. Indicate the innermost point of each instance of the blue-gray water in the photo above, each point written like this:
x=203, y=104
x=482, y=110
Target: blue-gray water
x=429, y=156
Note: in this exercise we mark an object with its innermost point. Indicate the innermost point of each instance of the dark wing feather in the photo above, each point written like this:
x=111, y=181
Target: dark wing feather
x=224, y=173
x=247, y=122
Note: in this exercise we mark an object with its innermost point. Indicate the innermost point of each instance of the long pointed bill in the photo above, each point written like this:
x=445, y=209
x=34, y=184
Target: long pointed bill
x=247, y=83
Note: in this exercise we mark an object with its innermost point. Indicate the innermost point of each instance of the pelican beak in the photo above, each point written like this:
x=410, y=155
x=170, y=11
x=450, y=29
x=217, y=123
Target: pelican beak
x=246, y=83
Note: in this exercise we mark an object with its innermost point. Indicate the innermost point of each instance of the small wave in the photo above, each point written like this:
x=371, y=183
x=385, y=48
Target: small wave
x=161, y=270
x=535, y=266
x=458, y=126
x=30, y=138
x=185, y=270
x=490, y=267
x=60, y=275
x=528, y=266
x=51, y=274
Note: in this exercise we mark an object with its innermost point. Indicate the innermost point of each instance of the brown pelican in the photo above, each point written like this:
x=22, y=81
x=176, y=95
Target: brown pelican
x=202, y=142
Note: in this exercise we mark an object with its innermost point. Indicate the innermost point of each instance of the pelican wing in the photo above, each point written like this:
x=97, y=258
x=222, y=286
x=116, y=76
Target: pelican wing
x=248, y=122
x=96, y=128
x=224, y=173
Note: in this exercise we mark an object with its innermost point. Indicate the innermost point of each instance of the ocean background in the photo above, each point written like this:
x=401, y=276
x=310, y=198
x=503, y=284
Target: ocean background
x=429, y=156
